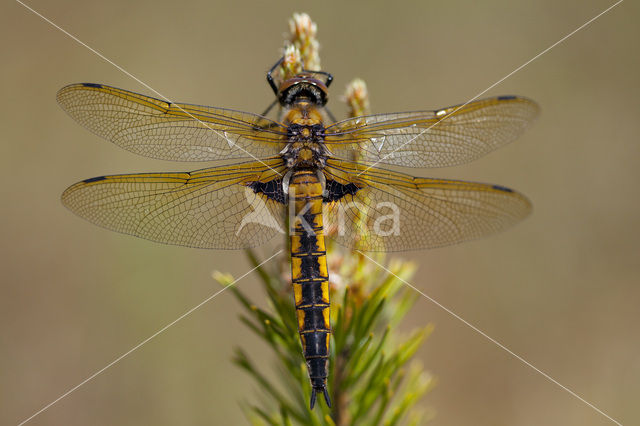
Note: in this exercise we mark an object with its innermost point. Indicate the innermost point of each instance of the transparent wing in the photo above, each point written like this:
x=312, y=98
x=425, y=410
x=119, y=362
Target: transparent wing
x=445, y=137
x=393, y=212
x=209, y=208
x=159, y=129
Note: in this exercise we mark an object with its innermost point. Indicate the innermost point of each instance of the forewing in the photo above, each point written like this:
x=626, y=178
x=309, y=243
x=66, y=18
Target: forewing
x=209, y=208
x=445, y=137
x=393, y=212
x=179, y=132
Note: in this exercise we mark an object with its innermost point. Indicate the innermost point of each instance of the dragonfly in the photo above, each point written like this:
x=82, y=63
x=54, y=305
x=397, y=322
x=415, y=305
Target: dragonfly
x=302, y=175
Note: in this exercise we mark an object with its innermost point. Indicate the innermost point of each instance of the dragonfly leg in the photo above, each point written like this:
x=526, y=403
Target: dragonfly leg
x=326, y=74
x=266, y=111
x=330, y=114
x=270, y=77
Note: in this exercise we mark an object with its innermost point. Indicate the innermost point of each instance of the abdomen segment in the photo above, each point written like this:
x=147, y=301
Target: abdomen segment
x=310, y=277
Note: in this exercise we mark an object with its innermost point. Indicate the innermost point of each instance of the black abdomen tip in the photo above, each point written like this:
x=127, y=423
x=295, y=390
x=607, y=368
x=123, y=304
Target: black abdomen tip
x=322, y=389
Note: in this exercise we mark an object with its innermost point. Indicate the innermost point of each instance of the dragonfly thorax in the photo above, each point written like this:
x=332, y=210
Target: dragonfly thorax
x=305, y=132
x=305, y=154
x=305, y=136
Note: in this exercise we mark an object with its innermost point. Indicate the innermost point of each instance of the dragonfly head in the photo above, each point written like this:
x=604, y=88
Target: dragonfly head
x=303, y=87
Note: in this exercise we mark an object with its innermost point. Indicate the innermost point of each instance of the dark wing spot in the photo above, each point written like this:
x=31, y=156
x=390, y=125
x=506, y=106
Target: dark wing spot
x=502, y=188
x=272, y=189
x=337, y=190
x=97, y=86
x=94, y=179
x=506, y=98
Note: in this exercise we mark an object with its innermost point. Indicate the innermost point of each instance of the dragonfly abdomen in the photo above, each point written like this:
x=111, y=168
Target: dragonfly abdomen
x=310, y=277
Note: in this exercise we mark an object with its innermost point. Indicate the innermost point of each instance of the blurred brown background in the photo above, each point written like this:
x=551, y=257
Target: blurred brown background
x=561, y=289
